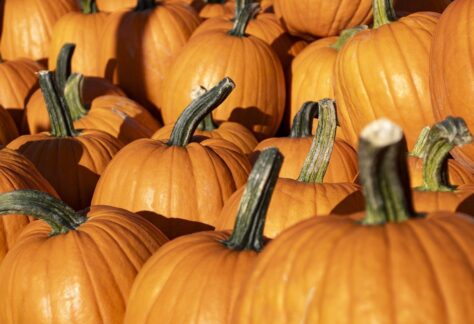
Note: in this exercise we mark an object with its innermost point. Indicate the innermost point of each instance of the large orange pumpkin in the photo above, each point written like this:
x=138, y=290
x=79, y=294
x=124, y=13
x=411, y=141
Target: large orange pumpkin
x=452, y=75
x=215, y=264
x=384, y=72
x=72, y=268
x=394, y=266
x=178, y=184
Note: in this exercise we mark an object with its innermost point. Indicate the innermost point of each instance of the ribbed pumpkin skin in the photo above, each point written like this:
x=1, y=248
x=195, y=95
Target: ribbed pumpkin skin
x=211, y=10
x=293, y=202
x=138, y=47
x=458, y=175
x=83, y=276
x=459, y=201
x=385, y=73
x=84, y=31
x=72, y=165
x=337, y=271
x=232, y=132
x=28, y=25
x=115, y=5
x=8, y=130
x=452, y=70
x=16, y=172
x=190, y=183
x=36, y=116
x=321, y=18
x=217, y=275
x=17, y=80
x=422, y=5
x=257, y=102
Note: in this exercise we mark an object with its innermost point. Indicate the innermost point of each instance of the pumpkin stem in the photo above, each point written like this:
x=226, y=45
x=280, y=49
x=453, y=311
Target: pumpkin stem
x=63, y=65
x=207, y=124
x=145, y=5
x=303, y=121
x=384, y=13
x=250, y=221
x=53, y=211
x=242, y=19
x=190, y=118
x=419, y=150
x=240, y=5
x=73, y=96
x=384, y=174
x=316, y=163
x=442, y=138
x=89, y=7
x=61, y=121
x=346, y=35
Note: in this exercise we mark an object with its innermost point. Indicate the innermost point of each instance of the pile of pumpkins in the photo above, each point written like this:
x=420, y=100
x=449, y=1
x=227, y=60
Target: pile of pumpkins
x=273, y=161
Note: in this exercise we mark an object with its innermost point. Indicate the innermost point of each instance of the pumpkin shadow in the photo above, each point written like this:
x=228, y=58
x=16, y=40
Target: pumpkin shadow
x=251, y=117
x=174, y=227
x=353, y=203
x=467, y=206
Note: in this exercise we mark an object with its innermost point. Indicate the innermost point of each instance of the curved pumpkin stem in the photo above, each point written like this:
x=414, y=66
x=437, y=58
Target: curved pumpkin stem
x=384, y=174
x=250, y=221
x=443, y=137
x=419, y=150
x=61, y=121
x=207, y=124
x=53, y=211
x=346, y=35
x=73, y=96
x=190, y=118
x=89, y=7
x=303, y=121
x=63, y=65
x=316, y=163
x=384, y=13
x=242, y=20
x=145, y=5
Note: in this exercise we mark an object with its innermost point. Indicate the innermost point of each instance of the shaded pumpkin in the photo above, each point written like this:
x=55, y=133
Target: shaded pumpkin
x=68, y=258
x=8, y=130
x=422, y=5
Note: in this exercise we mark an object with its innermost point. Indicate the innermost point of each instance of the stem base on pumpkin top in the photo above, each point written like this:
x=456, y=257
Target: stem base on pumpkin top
x=384, y=13
x=346, y=35
x=89, y=7
x=242, y=19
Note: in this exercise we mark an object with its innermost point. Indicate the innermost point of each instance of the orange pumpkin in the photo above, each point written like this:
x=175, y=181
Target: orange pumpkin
x=179, y=185
x=115, y=5
x=8, y=130
x=340, y=269
x=70, y=160
x=384, y=72
x=450, y=78
x=217, y=8
x=70, y=260
x=258, y=101
x=138, y=46
x=212, y=286
x=28, y=25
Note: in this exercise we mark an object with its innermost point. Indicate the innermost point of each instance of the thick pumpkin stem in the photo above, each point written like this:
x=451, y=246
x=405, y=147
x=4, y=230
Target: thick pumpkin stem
x=346, y=35
x=250, y=221
x=242, y=20
x=63, y=65
x=61, y=121
x=303, y=121
x=89, y=7
x=442, y=138
x=419, y=150
x=199, y=108
x=316, y=163
x=73, y=96
x=53, y=211
x=207, y=124
x=384, y=174
x=145, y=5
x=384, y=13
x=240, y=5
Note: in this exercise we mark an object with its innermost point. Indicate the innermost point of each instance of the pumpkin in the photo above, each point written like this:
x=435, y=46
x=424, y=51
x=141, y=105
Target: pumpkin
x=422, y=5
x=307, y=196
x=115, y=5
x=179, y=185
x=138, y=46
x=217, y=8
x=320, y=18
x=65, y=266
x=84, y=30
x=229, y=131
x=393, y=266
x=384, y=72
x=259, y=100
x=17, y=172
x=450, y=79
x=211, y=286
x=70, y=160
x=8, y=130
x=28, y=25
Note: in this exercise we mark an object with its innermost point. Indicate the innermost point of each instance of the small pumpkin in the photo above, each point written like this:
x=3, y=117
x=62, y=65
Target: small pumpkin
x=71, y=261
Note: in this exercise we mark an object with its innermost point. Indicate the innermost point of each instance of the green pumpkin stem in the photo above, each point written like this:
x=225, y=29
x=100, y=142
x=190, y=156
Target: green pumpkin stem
x=240, y=5
x=384, y=174
x=89, y=7
x=53, y=211
x=317, y=161
x=207, y=124
x=384, y=13
x=419, y=150
x=442, y=138
x=145, y=5
x=73, y=96
x=303, y=121
x=197, y=110
x=242, y=20
x=346, y=35
x=250, y=221
x=61, y=121
x=63, y=65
